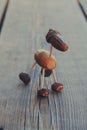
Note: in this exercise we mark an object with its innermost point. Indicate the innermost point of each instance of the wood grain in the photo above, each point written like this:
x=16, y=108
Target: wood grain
x=83, y=7
x=84, y=3
x=24, y=30
x=4, y=7
x=2, y=4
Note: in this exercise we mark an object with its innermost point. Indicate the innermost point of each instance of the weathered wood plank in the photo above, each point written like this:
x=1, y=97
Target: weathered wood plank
x=3, y=10
x=84, y=4
x=83, y=7
x=24, y=31
x=2, y=4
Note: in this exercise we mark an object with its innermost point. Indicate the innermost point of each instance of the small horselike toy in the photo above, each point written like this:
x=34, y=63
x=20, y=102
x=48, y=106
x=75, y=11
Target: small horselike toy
x=47, y=62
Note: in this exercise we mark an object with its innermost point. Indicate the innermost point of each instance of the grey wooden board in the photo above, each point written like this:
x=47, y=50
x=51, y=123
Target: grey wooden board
x=84, y=4
x=24, y=30
x=2, y=5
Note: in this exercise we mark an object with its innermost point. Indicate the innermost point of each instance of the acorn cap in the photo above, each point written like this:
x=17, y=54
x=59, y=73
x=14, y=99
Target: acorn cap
x=56, y=40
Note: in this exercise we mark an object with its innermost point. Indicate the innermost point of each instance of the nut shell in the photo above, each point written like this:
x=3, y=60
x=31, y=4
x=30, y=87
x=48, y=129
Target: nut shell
x=47, y=72
x=43, y=92
x=43, y=59
x=56, y=40
x=24, y=77
x=57, y=87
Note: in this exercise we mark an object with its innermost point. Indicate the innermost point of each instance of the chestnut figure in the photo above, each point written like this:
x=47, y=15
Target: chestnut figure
x=56, y=40
x=48, y=63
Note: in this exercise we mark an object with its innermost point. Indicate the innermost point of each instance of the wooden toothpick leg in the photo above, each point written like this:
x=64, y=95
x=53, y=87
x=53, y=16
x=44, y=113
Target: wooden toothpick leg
x=30, y=70
x=54, y=75
x=57, y=87
x=42, y=81
x=51, y=48
x=43, y=92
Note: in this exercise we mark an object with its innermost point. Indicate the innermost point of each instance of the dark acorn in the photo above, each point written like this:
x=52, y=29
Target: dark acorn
x=57, y=87
x=43, y=92
x=24, y=77
x=47, y=72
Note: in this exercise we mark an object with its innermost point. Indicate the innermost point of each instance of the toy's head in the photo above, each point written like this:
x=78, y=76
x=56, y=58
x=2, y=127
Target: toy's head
x=56, y=40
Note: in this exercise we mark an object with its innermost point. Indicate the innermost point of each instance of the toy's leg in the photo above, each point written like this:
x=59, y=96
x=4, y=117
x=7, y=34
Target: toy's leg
x=25, y=77
x=43, y=92
x=30, y=70
x=57, y=87
x=54, y=75
x=42, y=81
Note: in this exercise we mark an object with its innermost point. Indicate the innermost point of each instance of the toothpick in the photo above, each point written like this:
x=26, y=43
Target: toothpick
x=32, y=67
x=42, y=81
x=51, y=48
x=54, y=75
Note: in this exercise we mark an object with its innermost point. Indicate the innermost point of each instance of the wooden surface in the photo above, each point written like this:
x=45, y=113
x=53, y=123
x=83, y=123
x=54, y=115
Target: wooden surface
x=84, y=4
x=2, y=4
x=24, y=30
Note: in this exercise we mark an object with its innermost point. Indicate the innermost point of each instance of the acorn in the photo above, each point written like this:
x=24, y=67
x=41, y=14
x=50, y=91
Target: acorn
x=44, y=60
x=24, y=77
x=43, y=92
x=56, y=40
x=47, y=72
x=57, y=87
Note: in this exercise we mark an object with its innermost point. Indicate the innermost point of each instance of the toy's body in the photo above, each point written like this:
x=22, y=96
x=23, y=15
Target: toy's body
x=47, y=62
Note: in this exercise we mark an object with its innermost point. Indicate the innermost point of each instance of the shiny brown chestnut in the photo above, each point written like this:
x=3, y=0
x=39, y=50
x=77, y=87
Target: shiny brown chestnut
x=43, y=92
x=42, y=58
x=24, y=77
x=56, y=40
x=57, y=87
